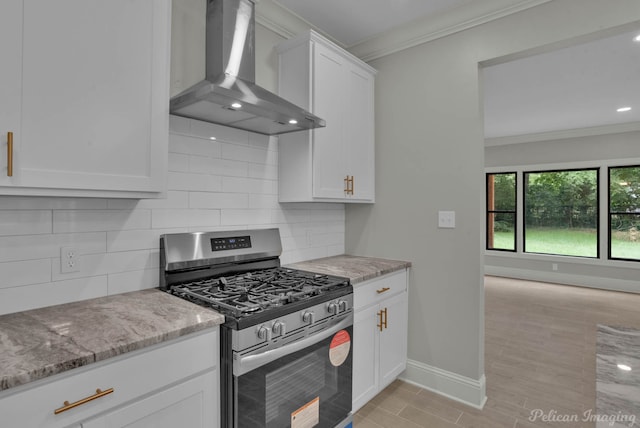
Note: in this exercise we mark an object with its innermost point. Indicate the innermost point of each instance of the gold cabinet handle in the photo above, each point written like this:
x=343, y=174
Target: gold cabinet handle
x=69, y=406
x=9, y=154
x=383, y=290
x=346, y=185
x=351, y=189
x=385, y=318
x=380, y=318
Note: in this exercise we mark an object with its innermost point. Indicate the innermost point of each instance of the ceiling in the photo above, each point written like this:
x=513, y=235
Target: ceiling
x=353, y=21
x=575, y=87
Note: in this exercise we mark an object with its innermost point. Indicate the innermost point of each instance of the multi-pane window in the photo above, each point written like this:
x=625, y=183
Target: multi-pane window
x=561, y=212
x=624, y=213
x=501, y=211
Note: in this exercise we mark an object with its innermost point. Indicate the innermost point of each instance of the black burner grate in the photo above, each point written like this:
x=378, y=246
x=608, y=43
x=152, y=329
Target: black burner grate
x=252, y=292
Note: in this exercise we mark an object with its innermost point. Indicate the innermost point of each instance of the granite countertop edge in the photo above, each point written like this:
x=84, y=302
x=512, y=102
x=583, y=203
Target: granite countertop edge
x=47, y=341
x=357, y=268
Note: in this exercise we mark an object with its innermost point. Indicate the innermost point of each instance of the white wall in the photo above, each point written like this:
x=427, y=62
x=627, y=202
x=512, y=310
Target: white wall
x=430, y=157
x=588, y=151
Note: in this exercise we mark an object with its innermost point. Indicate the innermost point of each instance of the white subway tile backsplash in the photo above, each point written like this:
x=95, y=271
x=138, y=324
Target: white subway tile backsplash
x=218, y=167
x=45, y=203
x=269, y=172
x=65, y=221
x=163, y=219
x=249, y=185
x=178, y=162
x=218, y=200
x=51, y=293
x=129, y=240
x=194, y=146
x=125, y=282
x=26, y=272
x=230, y=183
x=206, y=130
x=33, y=247
x=240, y=217
x=24, y=222
x=194, y=182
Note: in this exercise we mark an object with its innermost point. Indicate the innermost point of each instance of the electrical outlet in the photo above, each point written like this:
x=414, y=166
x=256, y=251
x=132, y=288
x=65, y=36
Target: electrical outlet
x=446, y=219
x=69, y=260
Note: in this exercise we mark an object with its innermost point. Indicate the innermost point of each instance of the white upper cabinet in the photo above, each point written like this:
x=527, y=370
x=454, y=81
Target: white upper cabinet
x=334, y=163
x=90, y=117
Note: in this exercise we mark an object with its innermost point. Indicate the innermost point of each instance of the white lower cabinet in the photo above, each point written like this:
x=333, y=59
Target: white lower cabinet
x=167, y=385
x=380, y=335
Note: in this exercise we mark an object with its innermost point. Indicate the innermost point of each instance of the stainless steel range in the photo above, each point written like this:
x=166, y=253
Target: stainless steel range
x=286, y=344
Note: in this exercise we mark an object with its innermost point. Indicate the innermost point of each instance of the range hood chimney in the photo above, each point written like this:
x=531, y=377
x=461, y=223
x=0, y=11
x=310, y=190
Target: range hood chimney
x=228, y=95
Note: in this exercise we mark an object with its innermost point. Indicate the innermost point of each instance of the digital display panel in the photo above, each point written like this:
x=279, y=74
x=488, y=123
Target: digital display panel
x=233, y=243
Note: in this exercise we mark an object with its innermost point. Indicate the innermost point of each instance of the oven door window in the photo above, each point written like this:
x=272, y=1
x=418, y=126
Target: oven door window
x=308, y=388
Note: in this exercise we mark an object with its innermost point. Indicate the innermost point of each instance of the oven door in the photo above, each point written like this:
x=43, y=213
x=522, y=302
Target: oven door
x=302, y=384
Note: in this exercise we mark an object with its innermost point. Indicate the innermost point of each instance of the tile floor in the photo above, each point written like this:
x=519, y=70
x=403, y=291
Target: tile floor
x=540, y=353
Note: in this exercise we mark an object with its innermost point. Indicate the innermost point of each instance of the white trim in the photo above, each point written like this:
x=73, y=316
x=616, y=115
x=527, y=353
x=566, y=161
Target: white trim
x=451, y=385
x=425, y=30
x=565, y=278
x=563, y=134
x=280, y=20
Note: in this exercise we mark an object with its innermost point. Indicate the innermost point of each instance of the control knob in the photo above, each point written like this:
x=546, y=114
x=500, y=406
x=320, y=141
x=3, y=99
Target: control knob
x=264, y=333
x=279, y=327
x=332, y=308
x=343, y=305
x=309, y=317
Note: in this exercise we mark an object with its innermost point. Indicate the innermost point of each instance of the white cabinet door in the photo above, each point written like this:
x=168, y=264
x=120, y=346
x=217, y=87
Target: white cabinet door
x=379, y=335
x=189, y=404
x=393, y=339
x=365, y=356
x=338, y=87
x=94, y=100
x=329, y=91
x=360, y=134
x=10, y=76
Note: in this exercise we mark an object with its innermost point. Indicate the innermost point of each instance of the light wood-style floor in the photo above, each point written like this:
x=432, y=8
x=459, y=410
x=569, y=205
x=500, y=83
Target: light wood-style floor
x=540, y=353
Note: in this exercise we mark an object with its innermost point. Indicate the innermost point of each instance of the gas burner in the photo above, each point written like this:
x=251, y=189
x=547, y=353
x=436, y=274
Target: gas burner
x=251, y=292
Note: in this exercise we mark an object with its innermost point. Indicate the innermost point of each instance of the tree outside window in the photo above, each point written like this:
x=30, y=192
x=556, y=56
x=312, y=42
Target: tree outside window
x=561, y=212
x=624, y=213
x=501, y=211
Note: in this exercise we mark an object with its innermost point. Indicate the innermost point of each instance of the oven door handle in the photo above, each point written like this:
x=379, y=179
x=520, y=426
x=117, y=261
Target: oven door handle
x=250, y=362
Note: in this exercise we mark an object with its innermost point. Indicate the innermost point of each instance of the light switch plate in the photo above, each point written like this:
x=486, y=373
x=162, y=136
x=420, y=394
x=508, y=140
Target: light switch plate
x=446, y=219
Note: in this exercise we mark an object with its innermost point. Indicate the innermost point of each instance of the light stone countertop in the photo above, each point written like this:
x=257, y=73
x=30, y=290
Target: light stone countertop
x=42, y=342
x=356, y=268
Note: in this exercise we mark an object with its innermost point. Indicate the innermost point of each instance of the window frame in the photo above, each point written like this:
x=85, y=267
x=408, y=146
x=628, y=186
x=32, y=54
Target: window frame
x=597, y=170
x=488, y=212
x=610, y=214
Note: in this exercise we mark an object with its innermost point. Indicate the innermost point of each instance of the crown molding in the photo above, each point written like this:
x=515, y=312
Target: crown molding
x=277, y=18
x=437, y=26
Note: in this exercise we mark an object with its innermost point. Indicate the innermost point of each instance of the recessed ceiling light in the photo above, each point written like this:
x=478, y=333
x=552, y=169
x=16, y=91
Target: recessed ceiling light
x=637, y=38
x=212, y=138
x=236, y=105
x=293, y=122
x=623, y=109
x=624, y=367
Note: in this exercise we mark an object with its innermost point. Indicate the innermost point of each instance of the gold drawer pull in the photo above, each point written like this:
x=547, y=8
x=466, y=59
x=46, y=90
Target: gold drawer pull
x=383, y=290
x=69, y=406
x=9, y=154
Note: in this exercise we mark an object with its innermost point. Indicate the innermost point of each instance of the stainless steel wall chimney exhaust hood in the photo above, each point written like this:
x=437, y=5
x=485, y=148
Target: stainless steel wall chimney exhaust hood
x=228, y=95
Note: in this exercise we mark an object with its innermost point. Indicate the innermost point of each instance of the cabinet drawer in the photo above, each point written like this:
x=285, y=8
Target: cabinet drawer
x=377, y=289
x=130, y=375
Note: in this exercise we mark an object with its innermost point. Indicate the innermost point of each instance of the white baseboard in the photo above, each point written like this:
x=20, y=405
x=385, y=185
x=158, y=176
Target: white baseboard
x=565, y=278
x=451, y=385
